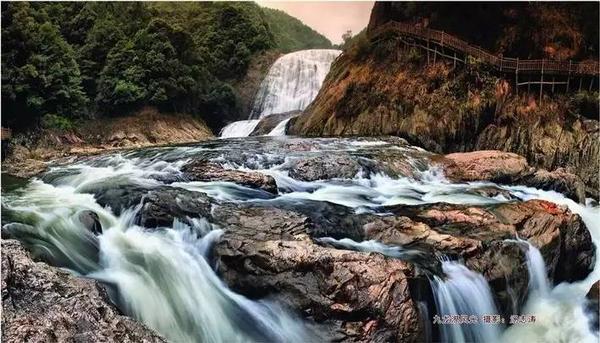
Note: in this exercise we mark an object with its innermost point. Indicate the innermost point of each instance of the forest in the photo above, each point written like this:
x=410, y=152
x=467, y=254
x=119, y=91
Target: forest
x=63, y=62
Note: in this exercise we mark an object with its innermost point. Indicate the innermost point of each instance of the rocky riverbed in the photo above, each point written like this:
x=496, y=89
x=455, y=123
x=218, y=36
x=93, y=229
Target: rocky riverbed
x=271, y=239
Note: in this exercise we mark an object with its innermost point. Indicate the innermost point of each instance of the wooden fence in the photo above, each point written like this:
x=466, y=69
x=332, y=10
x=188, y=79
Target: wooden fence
x=503, y=64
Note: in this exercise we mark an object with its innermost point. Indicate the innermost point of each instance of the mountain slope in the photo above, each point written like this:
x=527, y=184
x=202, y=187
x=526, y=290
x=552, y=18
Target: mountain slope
x=291, y=34
x=381, y=88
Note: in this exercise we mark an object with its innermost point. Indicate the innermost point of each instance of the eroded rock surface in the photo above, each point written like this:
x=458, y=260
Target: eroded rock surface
x=485, y=237
x=207, y=171
x=44, y=304
x=512, y=169
x=362, y=296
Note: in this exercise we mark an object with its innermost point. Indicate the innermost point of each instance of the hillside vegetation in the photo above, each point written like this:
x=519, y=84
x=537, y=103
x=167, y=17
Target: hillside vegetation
x=64, y=62
x=379, y=87
x=291, y=34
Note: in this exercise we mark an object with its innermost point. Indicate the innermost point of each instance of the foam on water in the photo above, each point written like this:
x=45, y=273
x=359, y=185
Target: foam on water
x=293, y=82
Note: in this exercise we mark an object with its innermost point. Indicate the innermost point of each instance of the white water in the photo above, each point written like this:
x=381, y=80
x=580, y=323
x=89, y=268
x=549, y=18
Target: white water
x=536, y=267
x=163, y=277
x=52, y=211
x=279, y=130
x=293, y=82
x=465, y=292
x=370, y=246
x=242, y=128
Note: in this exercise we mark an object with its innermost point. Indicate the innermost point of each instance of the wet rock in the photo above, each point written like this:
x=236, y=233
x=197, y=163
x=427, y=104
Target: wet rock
x=361, y=296
x=484, y=238
x=45, y=304
x=282, y=219
x=90, y=221
x=268, y=123
x=121, y=198
x=512, y=169
x=207, y=171
x=161, y=206
x=324, y=167
x=493, y=192
x=593, y=306
x=594, y=293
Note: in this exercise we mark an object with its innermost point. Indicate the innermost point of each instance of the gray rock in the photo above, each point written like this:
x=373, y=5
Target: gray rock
x=45, y=304
x=90, y=221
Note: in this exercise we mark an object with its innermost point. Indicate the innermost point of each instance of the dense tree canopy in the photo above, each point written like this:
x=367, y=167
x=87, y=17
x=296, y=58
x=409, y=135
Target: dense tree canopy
x=76, y=59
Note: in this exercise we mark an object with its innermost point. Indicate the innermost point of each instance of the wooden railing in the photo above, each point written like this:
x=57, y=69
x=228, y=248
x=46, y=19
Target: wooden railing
x=5, y=133
x=501, y=63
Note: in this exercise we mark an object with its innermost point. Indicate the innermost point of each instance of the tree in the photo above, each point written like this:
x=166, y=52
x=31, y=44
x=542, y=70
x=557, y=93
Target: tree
x=39, y=71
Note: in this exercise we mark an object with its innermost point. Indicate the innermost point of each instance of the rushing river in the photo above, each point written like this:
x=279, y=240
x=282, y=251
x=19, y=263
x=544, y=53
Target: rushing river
x=166, y=277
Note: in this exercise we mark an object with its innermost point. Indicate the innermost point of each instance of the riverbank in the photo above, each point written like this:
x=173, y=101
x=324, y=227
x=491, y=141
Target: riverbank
x=29, y=153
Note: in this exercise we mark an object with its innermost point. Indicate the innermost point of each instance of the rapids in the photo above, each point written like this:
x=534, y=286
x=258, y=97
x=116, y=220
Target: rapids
x=166, y=277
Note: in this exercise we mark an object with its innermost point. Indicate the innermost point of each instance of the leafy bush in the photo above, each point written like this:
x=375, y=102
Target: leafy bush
x=55, y=121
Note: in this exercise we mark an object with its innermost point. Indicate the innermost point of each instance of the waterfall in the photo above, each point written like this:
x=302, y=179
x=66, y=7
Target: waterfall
x=293, y=82
x=536, y=267
x=279, y=130
x=464, y=292
x=241, y=128
x=161, y=277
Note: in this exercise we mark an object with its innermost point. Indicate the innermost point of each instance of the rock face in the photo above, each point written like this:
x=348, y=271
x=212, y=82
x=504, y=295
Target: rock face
x=512, y=169
x=207, y=171
x=360, y=296
x=381, y=87
x=268, y=123
x=485, y=239
x=44, y=304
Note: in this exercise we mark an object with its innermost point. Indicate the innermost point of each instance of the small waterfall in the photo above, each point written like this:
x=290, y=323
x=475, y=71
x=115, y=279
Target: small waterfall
x=536, y=267
x=241, y=128
x=465, y=292
x=161, y=277
x=293, y=82
x=279, y=130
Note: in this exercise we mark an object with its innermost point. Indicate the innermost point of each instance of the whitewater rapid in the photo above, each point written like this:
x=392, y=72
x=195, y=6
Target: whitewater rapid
x=165, y=278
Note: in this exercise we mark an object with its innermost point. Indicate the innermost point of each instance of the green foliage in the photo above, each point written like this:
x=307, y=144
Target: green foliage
x=358, y=46
x=586, y=104
x=291, y=34
x=55, y=121
x=39, y=71
x=112, y=58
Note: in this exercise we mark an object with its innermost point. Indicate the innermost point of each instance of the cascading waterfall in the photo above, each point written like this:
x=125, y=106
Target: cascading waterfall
x=536, y=267
x=293, y=81
x=163, y=277
x=279, y=130
x=241, y=128
x=464, y=292
x=291, y=84
x=160, y=276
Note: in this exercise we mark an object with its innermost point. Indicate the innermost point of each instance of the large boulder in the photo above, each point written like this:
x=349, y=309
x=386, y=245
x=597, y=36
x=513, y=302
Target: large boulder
x=331, y=166
x=161, y=206
x=359, y=296
x=512, y=169
x=268, y=123
x=45, y=304
x=485, y=238
x=200, y=170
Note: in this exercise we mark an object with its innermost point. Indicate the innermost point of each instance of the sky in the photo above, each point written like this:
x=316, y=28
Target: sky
x=330, y=18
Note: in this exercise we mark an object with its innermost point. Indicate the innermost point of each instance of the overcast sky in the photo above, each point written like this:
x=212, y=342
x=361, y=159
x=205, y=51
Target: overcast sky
x=329, y=18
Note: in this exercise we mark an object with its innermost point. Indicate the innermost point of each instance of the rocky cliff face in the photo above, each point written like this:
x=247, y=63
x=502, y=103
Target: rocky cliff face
x=383, y=88
x=44, y=304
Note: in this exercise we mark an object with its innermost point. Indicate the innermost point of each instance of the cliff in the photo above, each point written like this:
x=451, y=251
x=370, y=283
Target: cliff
x=382, y=87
